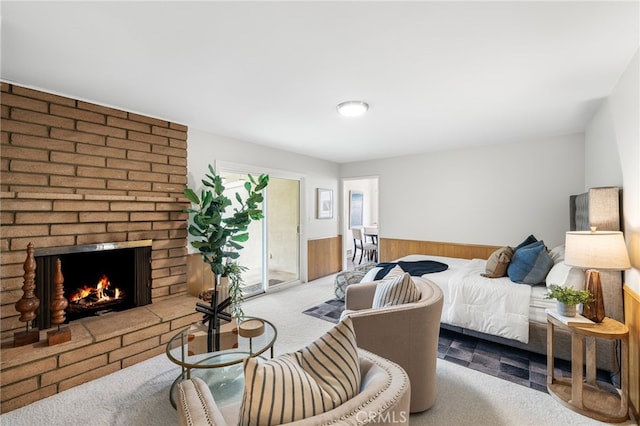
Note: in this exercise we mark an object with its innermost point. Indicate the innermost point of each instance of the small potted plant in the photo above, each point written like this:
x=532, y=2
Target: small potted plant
x=568, y=298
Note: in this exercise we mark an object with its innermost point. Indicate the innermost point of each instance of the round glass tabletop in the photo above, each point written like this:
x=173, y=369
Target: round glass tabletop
x=222, y=370
x=188, y=348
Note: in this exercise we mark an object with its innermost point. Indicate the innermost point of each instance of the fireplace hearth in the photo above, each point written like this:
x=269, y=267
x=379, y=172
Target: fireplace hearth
x=98, y=279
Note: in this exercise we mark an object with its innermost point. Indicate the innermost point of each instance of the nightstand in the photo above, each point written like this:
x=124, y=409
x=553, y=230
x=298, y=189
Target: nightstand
x=582, y=394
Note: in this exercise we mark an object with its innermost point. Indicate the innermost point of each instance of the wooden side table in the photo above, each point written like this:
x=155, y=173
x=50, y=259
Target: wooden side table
x=583, y=395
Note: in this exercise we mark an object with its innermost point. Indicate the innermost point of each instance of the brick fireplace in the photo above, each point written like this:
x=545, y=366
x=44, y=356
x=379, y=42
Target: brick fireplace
x=73, y=173
x=98, y=278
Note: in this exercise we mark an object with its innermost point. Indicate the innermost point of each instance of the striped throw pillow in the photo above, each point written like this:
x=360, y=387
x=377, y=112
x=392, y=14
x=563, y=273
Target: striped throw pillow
x=280, y=391
x=302, y=384
x=395, y=291
x=397, y=271
x=332, y=360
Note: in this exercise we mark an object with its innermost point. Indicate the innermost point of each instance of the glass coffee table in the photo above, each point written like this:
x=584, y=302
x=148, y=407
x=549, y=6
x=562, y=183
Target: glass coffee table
x=222, y=370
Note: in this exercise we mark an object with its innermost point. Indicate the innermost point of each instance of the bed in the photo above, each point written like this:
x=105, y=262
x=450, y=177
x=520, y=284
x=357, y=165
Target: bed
x=502, y=311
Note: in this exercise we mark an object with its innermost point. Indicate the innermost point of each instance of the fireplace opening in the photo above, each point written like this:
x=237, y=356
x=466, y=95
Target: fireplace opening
x=98, y=279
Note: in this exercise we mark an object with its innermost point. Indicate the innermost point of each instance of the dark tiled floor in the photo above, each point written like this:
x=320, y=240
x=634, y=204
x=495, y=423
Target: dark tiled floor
x=515, y=365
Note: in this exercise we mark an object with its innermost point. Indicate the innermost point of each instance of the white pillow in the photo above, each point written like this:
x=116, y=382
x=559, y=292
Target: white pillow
x=557, y=254
x=370, y=275
x=565, y=276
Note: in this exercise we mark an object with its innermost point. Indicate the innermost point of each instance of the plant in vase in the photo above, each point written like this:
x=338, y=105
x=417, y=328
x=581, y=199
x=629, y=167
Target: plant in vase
x=568, y=298
x=219, y=234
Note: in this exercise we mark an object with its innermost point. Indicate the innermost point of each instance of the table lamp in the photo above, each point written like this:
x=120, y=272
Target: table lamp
x=594, y=251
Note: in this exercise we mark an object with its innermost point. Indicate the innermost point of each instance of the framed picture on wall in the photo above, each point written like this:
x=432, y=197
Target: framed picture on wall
x=355, y=209
x=324, y=204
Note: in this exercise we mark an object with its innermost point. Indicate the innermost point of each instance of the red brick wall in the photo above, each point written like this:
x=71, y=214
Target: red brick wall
x=73, y=172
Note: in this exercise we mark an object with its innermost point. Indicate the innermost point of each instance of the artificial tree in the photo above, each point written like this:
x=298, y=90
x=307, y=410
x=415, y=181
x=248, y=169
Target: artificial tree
x=218, y=235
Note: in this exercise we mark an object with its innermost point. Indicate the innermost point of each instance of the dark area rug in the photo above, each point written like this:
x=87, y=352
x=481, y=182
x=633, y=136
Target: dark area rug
x=512, y=364
x=328, y=311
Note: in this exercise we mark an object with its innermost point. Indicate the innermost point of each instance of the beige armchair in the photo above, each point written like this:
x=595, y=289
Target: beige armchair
x=406, y=334
x=384, y=398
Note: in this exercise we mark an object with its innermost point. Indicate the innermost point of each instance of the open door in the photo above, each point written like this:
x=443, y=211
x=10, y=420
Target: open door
x=360, y=201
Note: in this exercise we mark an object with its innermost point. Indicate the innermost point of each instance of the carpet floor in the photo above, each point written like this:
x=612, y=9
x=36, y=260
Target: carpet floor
x=139, y=395
x=502, y=361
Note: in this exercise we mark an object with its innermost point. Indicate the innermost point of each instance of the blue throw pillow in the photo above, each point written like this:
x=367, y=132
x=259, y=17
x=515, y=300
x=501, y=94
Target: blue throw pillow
x=530, y=264
x=528, y=241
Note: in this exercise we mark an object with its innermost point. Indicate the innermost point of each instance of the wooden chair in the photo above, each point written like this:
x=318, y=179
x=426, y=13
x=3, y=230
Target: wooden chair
x=370, y=249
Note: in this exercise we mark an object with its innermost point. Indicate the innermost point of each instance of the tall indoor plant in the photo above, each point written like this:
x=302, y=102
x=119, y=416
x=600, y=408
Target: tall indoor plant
x=219, y=234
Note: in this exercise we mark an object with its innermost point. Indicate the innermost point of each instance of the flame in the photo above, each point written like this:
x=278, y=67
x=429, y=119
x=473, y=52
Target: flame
x=99, y=290
x=102, y=285
x=80, y=294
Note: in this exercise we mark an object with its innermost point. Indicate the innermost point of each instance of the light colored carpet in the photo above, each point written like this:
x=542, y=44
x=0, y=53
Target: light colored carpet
x=139, y=395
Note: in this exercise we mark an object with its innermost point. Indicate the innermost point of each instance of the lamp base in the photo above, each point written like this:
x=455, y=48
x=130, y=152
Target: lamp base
x=594, y=310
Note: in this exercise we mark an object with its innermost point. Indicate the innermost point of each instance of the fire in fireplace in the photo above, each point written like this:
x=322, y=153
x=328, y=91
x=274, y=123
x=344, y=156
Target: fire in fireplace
x=102, y=295
x=98, y=278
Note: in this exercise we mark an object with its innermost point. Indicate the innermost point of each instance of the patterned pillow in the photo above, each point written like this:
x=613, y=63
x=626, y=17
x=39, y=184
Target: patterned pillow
x=345, y=279
x=396, y=290
x=497, y=263
x=530, y=264
x=302, y=384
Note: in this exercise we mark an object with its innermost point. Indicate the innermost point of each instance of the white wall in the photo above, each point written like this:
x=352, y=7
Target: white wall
x=494, y=195
x=602, y=159
x=205, y=148
x=615, y=128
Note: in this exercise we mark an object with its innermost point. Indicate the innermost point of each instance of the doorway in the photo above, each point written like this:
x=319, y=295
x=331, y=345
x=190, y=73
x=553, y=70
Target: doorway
x=271, y=255
x=360, y=201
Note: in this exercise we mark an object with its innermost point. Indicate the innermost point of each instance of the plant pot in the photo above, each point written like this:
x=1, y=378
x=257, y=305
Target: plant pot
x=567, y=310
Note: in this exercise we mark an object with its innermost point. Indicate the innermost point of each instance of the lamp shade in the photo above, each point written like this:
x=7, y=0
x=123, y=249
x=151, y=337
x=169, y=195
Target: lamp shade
x=603, y=250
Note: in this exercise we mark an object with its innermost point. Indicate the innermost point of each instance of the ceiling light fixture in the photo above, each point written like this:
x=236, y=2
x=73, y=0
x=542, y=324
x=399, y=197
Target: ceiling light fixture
x=352, y=108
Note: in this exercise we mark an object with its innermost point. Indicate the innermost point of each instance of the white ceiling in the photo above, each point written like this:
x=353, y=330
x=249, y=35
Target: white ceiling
x=437, y=75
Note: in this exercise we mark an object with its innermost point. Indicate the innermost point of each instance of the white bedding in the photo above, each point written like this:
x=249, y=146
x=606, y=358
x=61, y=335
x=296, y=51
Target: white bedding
x=539, y=303
x=495, y=306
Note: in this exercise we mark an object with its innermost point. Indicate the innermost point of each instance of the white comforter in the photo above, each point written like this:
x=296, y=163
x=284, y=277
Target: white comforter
x=495, y=306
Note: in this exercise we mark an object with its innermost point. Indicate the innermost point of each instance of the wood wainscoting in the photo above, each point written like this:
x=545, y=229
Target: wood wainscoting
x=324, y=257
x=199, y=275
x=632, y=320
x=391, y=249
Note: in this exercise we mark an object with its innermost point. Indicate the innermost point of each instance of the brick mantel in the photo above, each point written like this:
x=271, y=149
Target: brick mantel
x=74, y=173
